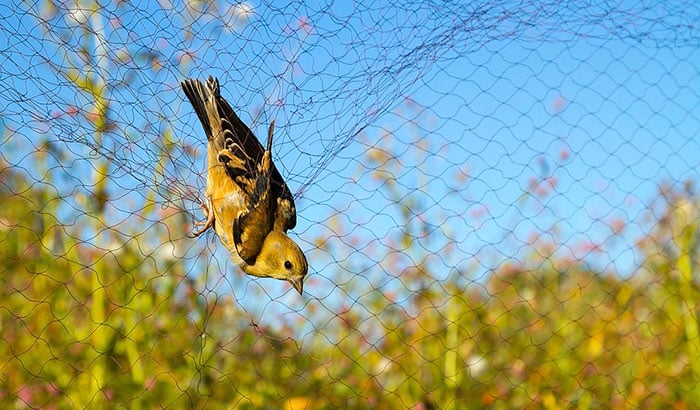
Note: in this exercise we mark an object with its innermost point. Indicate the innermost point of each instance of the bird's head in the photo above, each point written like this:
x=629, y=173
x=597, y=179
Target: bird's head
x=280, y=258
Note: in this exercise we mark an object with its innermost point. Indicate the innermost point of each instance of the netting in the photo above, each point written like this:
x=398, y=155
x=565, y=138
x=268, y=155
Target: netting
x=498, y=202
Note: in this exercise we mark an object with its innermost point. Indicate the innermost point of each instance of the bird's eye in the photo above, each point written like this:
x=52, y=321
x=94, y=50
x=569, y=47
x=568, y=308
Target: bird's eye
x=287, y=265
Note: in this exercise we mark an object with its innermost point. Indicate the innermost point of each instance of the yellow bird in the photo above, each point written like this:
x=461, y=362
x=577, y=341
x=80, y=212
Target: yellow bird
x=247, y=202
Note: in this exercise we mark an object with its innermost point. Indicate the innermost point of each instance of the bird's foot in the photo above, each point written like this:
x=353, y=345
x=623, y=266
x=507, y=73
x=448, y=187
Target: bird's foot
x=209, y=214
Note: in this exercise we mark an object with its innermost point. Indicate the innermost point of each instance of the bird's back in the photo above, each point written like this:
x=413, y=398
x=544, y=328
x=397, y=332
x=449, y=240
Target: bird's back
x=225, y=130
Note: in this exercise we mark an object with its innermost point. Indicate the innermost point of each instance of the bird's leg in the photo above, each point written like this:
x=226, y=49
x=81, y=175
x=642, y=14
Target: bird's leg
x=208, y=213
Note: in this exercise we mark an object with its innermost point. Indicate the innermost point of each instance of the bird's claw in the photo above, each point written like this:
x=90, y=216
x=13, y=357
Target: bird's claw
x=209, y=222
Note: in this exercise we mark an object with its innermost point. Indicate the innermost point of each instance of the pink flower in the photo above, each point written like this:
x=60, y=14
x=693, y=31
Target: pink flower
x=303, y=24
x=558, y=104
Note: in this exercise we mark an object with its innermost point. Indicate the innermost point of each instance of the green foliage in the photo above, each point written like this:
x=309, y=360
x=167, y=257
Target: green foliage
x=85, y=327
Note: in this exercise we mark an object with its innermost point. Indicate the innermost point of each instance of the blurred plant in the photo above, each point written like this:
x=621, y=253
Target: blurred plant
x=545, y=331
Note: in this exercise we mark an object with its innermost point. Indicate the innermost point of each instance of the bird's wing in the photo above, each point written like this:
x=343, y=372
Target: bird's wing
x=251, y=228
x=247, y=145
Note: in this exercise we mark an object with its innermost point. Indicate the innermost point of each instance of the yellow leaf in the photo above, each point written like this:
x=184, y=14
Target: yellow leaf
x=298, y=403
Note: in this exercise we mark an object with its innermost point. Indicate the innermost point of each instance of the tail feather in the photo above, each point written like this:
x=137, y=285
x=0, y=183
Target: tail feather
x=270, y=131
x=198, y=95
x=240, y=134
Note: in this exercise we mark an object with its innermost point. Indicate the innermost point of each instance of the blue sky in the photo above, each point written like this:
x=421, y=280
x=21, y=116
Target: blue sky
x=609, y=110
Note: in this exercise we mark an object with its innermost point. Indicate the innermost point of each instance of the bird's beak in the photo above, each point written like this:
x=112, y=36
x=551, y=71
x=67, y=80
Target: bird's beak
x=298, y=284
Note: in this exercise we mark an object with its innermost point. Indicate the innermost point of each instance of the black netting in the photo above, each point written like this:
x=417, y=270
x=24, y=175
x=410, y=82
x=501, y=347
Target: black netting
x=498, y=202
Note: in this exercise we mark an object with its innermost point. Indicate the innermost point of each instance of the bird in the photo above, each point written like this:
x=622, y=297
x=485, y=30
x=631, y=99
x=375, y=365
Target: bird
x=246, y=200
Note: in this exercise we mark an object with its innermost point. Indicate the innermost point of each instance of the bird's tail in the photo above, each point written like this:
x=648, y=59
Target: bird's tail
x=199, y=95
x=220, y=122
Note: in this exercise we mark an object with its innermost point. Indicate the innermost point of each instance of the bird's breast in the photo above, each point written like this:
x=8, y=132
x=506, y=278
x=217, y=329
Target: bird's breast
x=227, y=208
